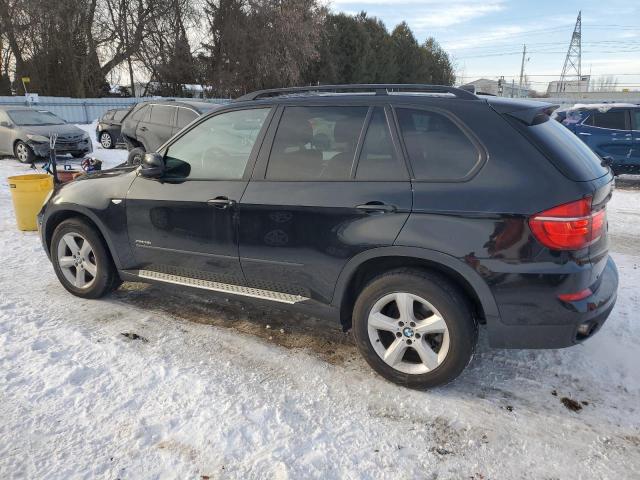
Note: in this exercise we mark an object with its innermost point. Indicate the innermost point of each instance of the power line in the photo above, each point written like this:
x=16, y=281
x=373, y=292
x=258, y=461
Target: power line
x=551, y=75
x=538, y=52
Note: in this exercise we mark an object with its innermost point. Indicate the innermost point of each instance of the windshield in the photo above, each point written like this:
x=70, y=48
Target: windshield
x=34, y=117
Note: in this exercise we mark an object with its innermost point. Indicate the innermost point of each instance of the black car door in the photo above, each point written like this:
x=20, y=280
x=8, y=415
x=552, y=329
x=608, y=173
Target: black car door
x=185, y=222
x=310, y=207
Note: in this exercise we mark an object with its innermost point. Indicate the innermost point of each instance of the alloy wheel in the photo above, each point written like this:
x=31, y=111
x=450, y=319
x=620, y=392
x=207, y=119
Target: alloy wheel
x=408, y=333
x=77, y=260
x=105, y=140
x=22, y=152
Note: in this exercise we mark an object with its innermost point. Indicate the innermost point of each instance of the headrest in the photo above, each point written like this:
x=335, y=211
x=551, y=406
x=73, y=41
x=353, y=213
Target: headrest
x=295, y=129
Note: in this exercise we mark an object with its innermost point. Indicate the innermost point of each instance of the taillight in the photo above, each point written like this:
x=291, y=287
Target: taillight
x=570, y=226
x=574, y=297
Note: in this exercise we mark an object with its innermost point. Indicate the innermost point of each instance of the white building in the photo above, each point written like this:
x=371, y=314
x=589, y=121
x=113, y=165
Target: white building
x=500, y=88
x=569, y=86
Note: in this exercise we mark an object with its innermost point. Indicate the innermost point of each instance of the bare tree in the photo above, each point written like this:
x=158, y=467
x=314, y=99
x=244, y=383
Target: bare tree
x=605, y=83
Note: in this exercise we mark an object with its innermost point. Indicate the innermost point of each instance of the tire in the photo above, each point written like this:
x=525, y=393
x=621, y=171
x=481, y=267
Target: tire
x=23, y=152
x=440, y=311
x=135, y=156
x=106, y=140
x=100, y=275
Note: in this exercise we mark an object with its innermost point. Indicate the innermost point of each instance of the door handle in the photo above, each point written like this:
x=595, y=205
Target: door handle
x=221, y=202
x=585, y=134
x=376, y=207
x=143, y=129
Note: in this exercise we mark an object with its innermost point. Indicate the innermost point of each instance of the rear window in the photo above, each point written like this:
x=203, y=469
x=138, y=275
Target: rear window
x=572, y=156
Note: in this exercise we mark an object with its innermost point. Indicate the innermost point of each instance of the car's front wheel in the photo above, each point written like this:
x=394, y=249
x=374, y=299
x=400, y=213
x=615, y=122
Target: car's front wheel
x=415, y=328
x=23, y=152
x=81, y=261
x=106, y=140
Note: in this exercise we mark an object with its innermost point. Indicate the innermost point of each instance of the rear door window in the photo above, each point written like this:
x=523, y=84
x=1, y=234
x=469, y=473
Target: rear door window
x=378, y=159
x=162, y=115
x=437, y=148
x=316, y=143
x=141, y=114
x=612, y=119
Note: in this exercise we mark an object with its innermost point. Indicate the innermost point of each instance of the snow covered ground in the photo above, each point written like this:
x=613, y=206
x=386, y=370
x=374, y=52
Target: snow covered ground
x=209, y=391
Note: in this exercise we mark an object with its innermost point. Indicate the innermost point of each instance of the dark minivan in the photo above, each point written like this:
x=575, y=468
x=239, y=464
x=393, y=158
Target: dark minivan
x=413, y=214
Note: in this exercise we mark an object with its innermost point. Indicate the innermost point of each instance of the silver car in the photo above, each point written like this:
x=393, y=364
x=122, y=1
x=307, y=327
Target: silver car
x=25, y=132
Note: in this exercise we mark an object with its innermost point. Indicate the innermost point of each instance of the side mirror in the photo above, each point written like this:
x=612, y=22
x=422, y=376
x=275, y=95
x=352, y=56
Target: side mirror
x=5, y=124
x=152, y=165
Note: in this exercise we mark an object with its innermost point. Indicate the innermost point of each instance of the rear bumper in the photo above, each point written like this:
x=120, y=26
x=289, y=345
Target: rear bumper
x=549, y=322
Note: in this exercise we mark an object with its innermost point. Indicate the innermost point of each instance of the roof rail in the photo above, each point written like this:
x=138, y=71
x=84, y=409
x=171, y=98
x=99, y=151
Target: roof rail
x=379, y=89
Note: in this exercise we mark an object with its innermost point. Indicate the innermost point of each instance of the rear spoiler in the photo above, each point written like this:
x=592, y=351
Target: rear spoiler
x=527, y=111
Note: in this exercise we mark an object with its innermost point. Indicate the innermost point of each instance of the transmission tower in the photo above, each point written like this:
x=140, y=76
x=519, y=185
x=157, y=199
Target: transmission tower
x=573, y=61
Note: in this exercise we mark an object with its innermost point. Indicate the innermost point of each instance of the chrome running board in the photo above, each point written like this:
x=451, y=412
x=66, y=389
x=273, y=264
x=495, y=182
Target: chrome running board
x=222, y=287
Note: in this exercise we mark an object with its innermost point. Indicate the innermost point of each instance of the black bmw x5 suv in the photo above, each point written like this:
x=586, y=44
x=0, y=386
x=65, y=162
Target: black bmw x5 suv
x=413, y=214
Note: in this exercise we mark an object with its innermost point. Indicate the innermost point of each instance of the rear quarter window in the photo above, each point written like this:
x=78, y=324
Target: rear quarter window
x=438, y=148
x=570, y=154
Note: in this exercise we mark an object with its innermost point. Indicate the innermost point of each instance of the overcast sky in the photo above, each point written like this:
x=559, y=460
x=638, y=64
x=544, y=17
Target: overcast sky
x=485, y=38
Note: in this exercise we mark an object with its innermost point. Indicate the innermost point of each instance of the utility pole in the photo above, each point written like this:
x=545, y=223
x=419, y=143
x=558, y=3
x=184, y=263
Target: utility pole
x=573, y=60
x=524, y=55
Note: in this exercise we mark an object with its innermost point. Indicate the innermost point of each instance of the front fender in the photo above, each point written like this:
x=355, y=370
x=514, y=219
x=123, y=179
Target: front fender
x=101, y=198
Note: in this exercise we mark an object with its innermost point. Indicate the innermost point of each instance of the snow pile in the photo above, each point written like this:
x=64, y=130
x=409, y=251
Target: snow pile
x=129, y=387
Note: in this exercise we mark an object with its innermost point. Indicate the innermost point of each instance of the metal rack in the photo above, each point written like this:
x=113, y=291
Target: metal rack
x=377, y=89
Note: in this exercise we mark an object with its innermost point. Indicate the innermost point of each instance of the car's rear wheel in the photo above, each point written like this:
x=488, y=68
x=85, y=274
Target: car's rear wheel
x=414, y=328
x=135, y=156
x=81, y=261
x=23, y=152
x=106, y=140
